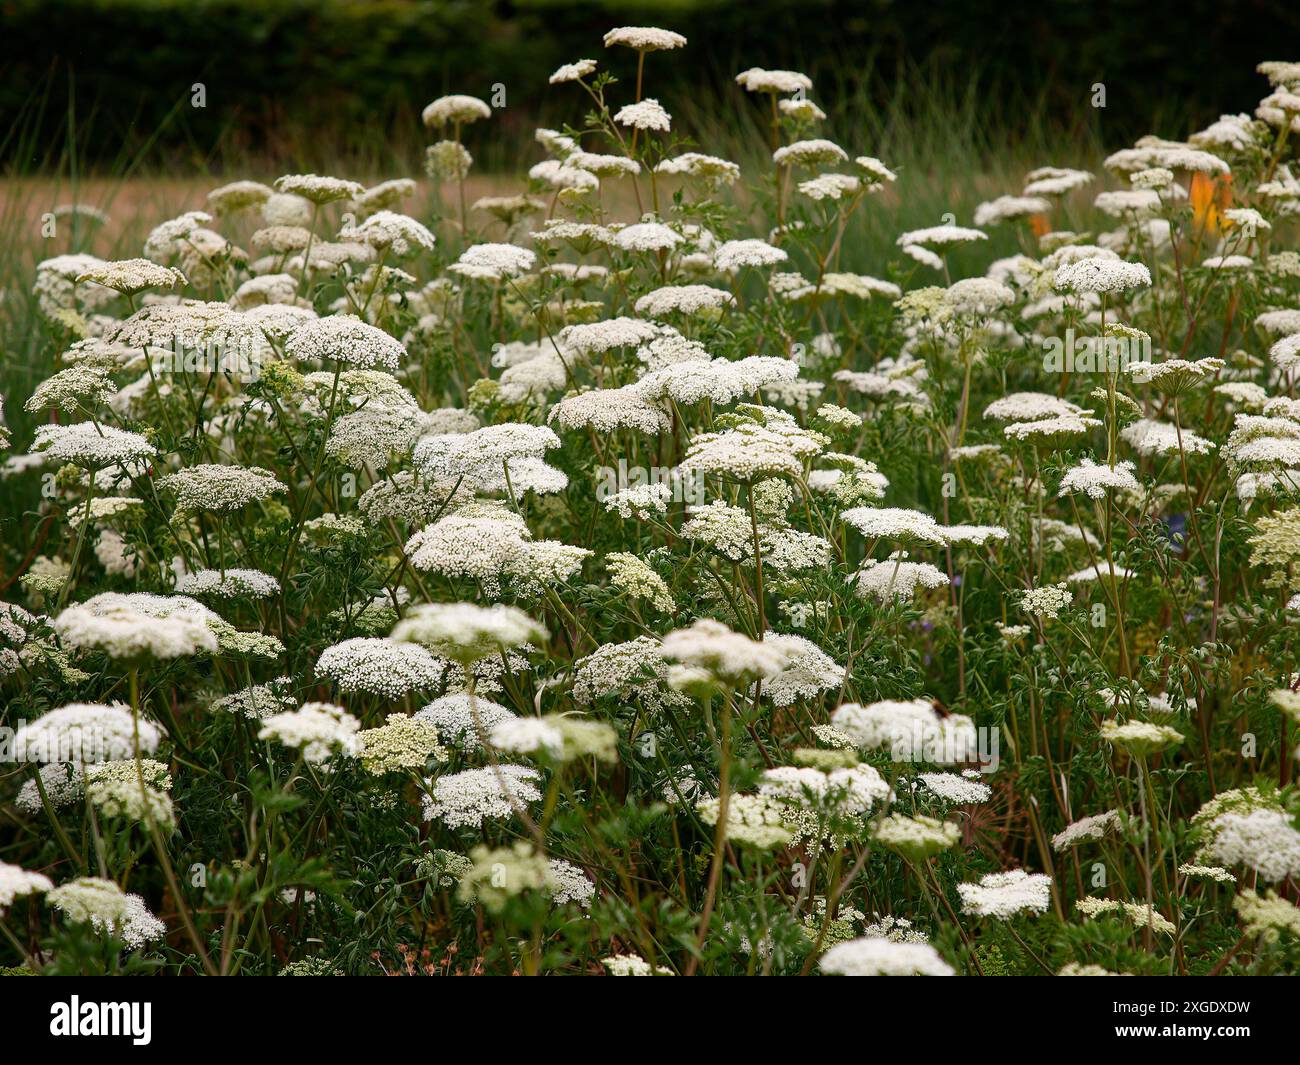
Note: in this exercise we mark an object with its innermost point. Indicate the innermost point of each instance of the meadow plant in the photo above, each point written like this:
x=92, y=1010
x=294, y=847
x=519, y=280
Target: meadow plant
x=339, y=633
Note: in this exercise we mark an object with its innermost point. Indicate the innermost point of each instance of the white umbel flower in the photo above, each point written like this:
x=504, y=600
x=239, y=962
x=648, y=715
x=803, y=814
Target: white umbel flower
x=1094, y=479
x=15, y=882
x=1086, y=830
x=386, y=668
x=463, y=721
x=810, y=153
x=89, y=899
x=320, y=730
x=647, y=114
x=347, y=340
x=317, y=188
x=644, y=38
x=130, y=276
x=455, y=110
x=1010, y=208
x=85, y=734
x=647, y=236
x=220, y=489
x=710, y=170
x=230, y=584
x=779, y=82
x=896, y=579
x=732, y=255
x=910, y=730
x=881, y=957
x=573, y=71
x=465, y=632
x=138, y=625
x=940, y=236
x=90, y=445
x=1004, y=895
x=1101, y=275
x=493, y=261
x=728, y=655
x=811, y=672
x=847, y=792
x=894, y=523
x=683, y=299
x=1262, y=840
x=467, y=799
x=955, y=788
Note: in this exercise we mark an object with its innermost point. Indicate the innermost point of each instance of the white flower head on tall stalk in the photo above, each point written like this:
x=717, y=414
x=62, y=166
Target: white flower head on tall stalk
x=1004, y=895
x=484, y=460
x=1149, y=437
x=1264, y=841
x=960, y=789
x=909, y=730
x=894, y=523
x=809, y=673
x=1140, y=738
x=317, y=189
x=389, y=231
x=556, y=738
x=1010, y=209
x=132, y=276
x=455, y=110
x=466, y=632
x=220, y=489
x=137, y=926
x=1173, y=377
x=134, y=626
x=941, y=236
x=1055, y=181
x=321, y=731
x=91, y=445
x=774, y=82
x=881, y=957
x=896, y=578
x=644, y=38
x=647, y=237
x=15, y=882
x=387, y=668
x=460, y=724
x=238, y=196
x=468, y=798
x=496, y=262
x=593, y=338
x=916, y=838
x=1101, y=275
x=1029, y=407
x=757, y=821
x=89, y=899
x=810, y=153
x=849, y=791
x=729, y=656
x=1094, y=479
x=85, y=734
x=710, y=170
x=733, y=255
x=1087, y=830
x=573, y=71
x=401, y=743
x=647, y=114
x=344, y=339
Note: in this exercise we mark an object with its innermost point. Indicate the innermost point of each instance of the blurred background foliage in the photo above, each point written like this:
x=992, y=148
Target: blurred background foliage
x=103, y=81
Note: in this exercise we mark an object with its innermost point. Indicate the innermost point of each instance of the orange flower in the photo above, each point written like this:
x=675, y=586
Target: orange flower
x=1040, y=224
x=1210, y=197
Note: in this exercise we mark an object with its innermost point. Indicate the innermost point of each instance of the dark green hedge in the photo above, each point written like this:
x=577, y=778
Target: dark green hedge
x=334, y=68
